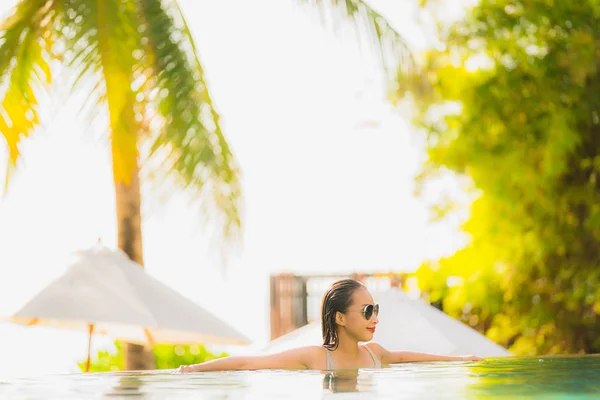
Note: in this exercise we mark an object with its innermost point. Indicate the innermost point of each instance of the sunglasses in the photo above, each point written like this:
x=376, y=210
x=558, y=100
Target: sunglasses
x=368, y=311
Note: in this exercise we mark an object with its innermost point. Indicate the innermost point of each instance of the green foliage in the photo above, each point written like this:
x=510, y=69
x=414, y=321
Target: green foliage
x=169, y=356
x=106, y=361
x=166, y=356
x=511, y=102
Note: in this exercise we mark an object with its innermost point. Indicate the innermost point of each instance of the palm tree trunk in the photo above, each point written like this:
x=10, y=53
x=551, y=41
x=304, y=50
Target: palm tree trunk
x=129, y=224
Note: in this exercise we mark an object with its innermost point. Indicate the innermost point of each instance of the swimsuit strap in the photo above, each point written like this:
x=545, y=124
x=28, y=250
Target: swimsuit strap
x=329, y=364
x=374, y=357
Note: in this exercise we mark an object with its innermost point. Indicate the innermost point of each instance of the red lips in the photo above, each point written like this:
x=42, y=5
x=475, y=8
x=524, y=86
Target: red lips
x=371, y=329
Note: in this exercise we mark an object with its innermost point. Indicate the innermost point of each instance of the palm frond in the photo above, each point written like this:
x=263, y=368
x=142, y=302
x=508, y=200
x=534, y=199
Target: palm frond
x=148, y=80
x=198, y=152
x=24, y=69
x=371, y=25
x=80, y=57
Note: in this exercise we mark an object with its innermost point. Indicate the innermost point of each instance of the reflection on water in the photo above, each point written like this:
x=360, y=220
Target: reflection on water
x=500, y=378
x=342, y=381
x=565, y=377
x=128, y=385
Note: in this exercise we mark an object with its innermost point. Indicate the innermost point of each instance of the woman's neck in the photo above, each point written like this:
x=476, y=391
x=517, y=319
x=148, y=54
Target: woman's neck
x=347, y=345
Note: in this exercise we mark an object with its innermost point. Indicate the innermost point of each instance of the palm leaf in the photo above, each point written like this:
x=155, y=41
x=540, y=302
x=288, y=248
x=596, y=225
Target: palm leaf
x=162, y=87
x=144, y=67
x=100, y=41
x=197, y=149
x=24, y=69
x=370, y=24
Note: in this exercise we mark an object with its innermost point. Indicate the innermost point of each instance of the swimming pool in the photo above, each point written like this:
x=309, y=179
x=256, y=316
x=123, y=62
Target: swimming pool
x=497, y=378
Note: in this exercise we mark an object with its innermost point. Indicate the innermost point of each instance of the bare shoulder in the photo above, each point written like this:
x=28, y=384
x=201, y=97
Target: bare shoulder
x=300, y=357
x=314, y=351
x=313, y=356
x=309, y=350
x=378, y=349
x=305, y=352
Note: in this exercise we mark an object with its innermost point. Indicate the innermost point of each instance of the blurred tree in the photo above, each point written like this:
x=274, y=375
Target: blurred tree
x=166, y=356
x=137, y=62
x=511, y=101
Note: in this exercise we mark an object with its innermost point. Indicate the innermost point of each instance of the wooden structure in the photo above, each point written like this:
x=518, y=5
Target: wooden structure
x=288, y=304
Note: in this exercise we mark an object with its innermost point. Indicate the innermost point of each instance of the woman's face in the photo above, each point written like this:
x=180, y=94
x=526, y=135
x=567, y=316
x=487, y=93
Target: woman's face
x=353, y=318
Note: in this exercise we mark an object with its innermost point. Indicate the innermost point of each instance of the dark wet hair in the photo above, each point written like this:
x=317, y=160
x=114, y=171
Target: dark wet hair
x=336, y=299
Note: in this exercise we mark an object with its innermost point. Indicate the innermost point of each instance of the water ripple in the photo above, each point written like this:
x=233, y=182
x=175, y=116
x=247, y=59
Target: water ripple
x=498, y=378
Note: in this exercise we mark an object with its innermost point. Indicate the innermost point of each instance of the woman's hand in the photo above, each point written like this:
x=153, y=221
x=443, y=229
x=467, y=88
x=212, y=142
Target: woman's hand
x=184, y=369
x=469, y=358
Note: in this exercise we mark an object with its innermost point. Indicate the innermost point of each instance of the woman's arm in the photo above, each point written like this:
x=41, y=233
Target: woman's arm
x=407, y=356
x=394, y=357
x=291, y=359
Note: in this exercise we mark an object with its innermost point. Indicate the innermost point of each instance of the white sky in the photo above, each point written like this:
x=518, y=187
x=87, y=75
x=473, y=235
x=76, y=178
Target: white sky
x=323, y=191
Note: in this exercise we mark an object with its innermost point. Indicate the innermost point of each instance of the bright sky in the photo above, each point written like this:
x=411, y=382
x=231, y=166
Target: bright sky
x=323, y=190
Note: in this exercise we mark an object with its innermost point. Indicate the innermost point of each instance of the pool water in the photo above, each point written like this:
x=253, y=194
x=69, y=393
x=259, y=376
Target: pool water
x=495, y=378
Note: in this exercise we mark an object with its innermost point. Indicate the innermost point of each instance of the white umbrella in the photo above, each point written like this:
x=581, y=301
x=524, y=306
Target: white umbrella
x=104, y=292
x=408, y=325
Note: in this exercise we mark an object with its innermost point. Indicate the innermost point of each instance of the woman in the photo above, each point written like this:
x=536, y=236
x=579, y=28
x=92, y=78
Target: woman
x=348, y=317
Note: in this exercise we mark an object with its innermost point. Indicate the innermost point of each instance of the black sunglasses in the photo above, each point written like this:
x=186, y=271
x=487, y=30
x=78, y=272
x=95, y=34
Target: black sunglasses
x=368, y=311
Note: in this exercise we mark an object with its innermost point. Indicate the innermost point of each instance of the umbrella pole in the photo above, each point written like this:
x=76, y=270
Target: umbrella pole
x=88, y=361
